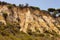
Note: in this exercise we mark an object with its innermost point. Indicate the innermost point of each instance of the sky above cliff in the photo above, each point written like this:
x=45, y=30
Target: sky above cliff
x=42, y=4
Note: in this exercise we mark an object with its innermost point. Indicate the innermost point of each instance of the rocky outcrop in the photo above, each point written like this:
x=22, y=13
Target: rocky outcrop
x=29, y=19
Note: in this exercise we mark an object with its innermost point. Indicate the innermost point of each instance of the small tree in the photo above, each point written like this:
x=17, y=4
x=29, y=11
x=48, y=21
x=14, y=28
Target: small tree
x=4, y=3
x=14, y=5
x=51, y=9
x=44, y=10
x=10, y=6
x=21, y=5
x=26, y=5
x=58, y=10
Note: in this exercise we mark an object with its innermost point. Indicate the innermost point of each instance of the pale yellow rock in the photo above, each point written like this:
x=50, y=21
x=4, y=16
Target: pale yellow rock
x=33, y=20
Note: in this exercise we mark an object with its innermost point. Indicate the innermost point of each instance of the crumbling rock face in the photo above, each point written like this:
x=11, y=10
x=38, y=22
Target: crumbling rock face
x=29, y=19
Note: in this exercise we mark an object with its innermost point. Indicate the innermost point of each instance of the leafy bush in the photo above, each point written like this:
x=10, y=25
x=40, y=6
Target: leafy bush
x=21, y=5
x=5, y=15
x=44, y=11
x=58, y=10
x=10, y=6
x=14, y=5
x=51, y=9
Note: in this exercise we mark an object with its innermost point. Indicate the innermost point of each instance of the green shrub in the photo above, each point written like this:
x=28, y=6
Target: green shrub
x=58, y=10
x=5, y=15
x=35, y=8
x=10, y=6
x=55, y=12
x=14, y=5
x=51, y=9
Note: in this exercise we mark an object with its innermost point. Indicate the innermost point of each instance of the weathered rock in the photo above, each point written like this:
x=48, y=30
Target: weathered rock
x=29, y=19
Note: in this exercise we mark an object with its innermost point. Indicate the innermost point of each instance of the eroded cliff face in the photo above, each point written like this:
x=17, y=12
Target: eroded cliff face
x=29, y=19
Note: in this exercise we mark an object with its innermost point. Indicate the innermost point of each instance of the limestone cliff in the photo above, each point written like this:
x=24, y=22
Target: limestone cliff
x=29, y=19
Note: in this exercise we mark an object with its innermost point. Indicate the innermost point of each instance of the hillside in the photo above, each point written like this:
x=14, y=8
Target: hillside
x=31, y=22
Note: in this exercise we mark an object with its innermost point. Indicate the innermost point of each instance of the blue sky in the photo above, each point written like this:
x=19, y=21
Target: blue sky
x=42, y=4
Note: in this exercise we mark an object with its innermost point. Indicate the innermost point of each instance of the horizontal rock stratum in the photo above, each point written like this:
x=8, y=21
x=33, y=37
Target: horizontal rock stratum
x=29, y=19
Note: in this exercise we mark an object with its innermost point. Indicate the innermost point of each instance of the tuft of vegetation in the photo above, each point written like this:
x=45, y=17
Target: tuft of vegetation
x=3, y=3
x=44, y=11
x=35, y=8
x=5, y=15
x=10, y=6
